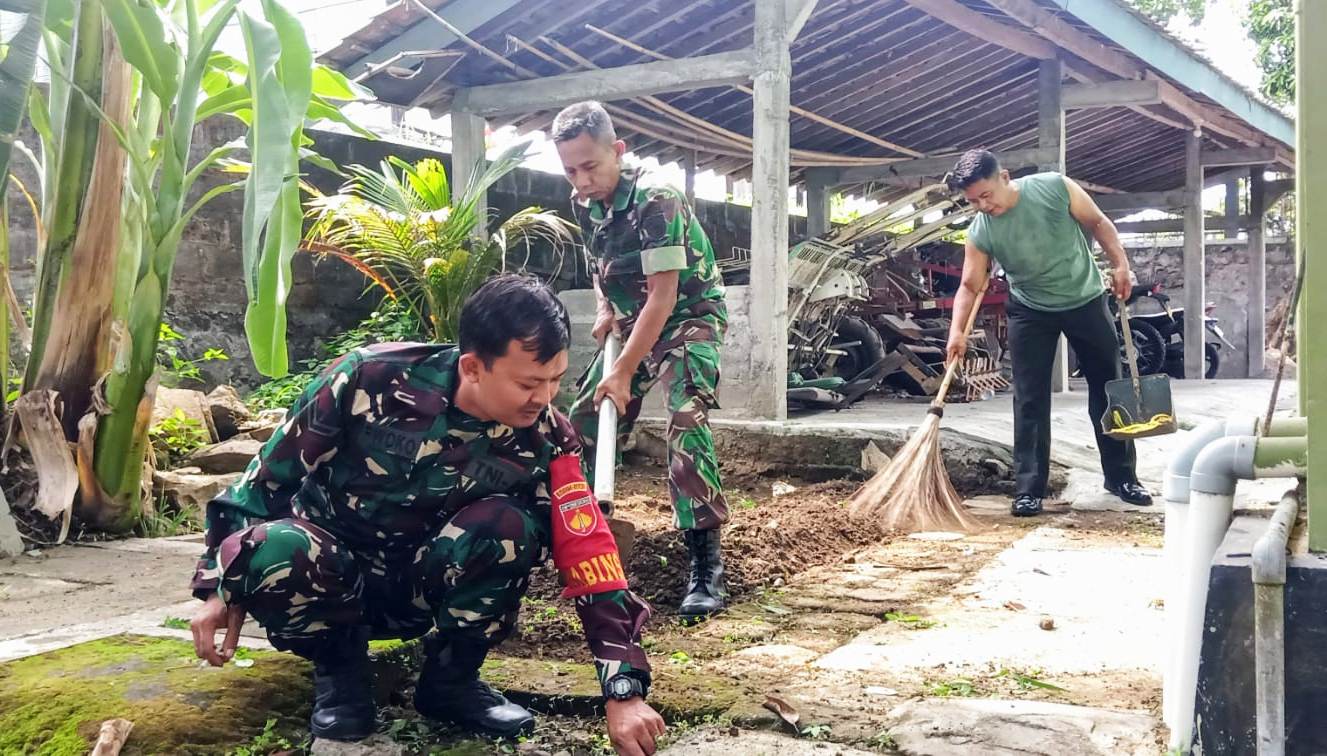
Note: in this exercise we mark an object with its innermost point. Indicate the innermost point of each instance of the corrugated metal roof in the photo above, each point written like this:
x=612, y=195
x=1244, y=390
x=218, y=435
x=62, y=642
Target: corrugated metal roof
x=880, y=67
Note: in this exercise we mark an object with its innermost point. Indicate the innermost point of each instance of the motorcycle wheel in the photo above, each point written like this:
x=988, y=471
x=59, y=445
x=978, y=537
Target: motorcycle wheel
x=869, y=351
x=1213, y=360
x=1148, y=346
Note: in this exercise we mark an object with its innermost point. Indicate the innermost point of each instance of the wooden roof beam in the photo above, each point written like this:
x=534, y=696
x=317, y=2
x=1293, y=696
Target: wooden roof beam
x=1249, y=156
x=984, y=29
x=621, y=83
x=931, y=166
x=1111, y=94
x=797, y=14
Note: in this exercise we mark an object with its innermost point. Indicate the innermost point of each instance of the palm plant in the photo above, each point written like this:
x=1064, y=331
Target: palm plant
x=403, y=227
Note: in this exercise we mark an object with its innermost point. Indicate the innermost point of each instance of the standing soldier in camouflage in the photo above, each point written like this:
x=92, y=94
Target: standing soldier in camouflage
x=409, y=491
x=657, y=285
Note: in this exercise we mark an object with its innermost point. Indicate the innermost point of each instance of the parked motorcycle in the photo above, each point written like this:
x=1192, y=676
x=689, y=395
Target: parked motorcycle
x=1158, y=333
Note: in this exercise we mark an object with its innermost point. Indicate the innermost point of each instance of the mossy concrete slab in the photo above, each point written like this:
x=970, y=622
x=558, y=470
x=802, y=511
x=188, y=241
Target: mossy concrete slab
x=55, y=702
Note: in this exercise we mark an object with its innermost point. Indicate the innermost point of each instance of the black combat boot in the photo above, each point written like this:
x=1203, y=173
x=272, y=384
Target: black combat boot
x=450, y=690
x=705, y=590
x=343, y=687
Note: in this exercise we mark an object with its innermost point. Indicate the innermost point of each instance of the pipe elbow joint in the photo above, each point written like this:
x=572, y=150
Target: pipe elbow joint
x=1221, y=463
x=1175, y=487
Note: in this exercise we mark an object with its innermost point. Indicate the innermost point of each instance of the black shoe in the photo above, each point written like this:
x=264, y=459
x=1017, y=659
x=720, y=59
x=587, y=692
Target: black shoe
x=1025, y=505
x=705, y=589
x=343, y=687
x=450, y=690
x=1132, y=493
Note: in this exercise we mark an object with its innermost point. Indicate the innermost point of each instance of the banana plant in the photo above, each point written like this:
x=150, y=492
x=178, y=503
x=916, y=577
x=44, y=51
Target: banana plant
x=179, y=79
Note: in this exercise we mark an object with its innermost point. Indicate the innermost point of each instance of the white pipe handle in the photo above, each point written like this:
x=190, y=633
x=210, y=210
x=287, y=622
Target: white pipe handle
x=605, y=450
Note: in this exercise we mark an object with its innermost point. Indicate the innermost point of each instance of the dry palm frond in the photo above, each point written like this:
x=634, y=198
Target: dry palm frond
x=913, y=492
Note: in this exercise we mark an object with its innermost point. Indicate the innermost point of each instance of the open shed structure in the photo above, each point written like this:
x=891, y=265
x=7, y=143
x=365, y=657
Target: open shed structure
x=877, y=95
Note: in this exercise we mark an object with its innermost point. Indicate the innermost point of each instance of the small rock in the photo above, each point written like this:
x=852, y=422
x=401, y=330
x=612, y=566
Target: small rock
x=191, y=491
x=264, y=425
x=228, y=410
x=228, y=456
x=374, y=745
x=192, y=403
x=734, y=731
x=562, y=753
x=873, y=459
x=1046, y=623
x=783, y=489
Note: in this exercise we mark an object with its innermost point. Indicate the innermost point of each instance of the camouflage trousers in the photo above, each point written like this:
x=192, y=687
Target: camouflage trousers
x=298, y=581
x=691, y=369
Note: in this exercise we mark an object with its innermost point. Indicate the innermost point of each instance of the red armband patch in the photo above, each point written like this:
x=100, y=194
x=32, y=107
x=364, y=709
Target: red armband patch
x=583, y=547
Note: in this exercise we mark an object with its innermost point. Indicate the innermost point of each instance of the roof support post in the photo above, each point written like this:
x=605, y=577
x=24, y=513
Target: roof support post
x=1195, y=292
x=468, y=152
x=1257, y=307
x=818, y=194
x=1231, y=220
x=769, y=213
x=1050, y=138
x=689, y=176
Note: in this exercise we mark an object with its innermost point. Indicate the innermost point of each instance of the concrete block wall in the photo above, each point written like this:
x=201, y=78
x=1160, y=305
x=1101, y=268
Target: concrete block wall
x=1227, y=288
x=736, y=374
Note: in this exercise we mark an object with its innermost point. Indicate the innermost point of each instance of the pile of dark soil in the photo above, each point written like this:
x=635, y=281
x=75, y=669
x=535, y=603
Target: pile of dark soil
x=767, y=538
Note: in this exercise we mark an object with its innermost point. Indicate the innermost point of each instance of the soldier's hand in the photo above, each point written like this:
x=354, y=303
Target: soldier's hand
x=616, y=386
x=633, y=727
x=604, y=324
x=213, y=616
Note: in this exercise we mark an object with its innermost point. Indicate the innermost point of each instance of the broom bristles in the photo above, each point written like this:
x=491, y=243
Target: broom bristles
x=913, y=492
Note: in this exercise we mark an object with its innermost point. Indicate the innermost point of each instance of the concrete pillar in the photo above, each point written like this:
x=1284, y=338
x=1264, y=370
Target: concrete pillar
x=1257, y=310
x=689, y=169
x=468, y=151
x=1195, y=287
x=818, y=193
x=1310, y=230
x=769, y=213
x=1232, y=208
x=1050, y=134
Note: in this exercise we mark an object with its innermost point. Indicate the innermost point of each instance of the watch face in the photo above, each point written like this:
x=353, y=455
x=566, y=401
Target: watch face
x=621, y=686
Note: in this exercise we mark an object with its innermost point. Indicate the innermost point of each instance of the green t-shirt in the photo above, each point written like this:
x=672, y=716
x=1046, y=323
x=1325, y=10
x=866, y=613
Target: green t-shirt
x=1043, y=250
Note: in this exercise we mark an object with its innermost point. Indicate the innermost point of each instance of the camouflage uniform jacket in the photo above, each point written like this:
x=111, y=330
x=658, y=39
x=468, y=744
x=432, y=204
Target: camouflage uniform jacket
x=649, y=230
x=375, y=453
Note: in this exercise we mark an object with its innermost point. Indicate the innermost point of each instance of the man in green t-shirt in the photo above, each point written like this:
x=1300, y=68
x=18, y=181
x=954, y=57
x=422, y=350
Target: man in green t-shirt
x=1036, y=227
x=657, y=284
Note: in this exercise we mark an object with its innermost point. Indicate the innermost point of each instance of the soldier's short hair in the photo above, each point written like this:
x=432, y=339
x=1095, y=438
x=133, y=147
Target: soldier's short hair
x=587, y=117
x=972, y=166
x=514, y=307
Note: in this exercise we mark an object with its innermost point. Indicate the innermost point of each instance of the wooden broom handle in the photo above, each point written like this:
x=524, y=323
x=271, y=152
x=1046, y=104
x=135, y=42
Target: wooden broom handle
x=952, y=368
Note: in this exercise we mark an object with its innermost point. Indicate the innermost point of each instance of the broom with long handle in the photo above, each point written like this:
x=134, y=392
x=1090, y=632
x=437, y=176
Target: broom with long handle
x=913, y=492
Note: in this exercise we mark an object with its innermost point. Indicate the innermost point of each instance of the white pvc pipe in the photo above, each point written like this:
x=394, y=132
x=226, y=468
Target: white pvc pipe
x=1211, y=501
x=605, y=449
x=1175, y=491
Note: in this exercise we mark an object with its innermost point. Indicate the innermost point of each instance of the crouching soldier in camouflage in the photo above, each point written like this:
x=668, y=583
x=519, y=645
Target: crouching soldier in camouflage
x=657, y=284
x=409, y=490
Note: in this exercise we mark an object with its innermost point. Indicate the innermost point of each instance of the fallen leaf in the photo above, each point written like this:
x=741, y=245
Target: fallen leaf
x=1014, y=606
x=1040, y=571
x=785, y=711
x=775, y=609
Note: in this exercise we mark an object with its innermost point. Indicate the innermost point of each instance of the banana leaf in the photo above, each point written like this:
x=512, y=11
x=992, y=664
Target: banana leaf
x=18, y=60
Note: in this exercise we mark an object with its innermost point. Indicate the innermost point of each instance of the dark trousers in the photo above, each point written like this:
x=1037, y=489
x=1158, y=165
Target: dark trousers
x=1033, y=334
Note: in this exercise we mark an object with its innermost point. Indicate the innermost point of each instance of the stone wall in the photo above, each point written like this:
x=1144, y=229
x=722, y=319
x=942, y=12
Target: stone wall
x=207, y=297
x=1227, y=288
